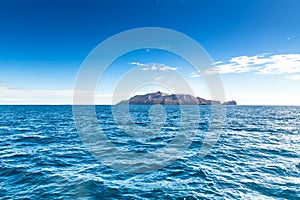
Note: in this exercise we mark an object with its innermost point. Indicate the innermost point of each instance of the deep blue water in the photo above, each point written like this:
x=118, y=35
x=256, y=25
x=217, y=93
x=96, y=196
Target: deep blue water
x=256, y=157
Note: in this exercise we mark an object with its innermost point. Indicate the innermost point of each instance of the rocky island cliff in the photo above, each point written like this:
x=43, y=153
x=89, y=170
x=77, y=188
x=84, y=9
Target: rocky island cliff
x=171, y=99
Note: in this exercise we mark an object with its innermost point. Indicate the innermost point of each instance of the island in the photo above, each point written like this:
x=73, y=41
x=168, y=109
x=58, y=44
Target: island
x=171, y=99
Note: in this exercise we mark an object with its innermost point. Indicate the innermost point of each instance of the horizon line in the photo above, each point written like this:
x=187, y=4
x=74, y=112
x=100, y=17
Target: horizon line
x=140, y=105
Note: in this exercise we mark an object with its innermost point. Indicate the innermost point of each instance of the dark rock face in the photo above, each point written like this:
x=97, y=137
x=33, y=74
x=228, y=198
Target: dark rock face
x=171, y=99
x=230, y=103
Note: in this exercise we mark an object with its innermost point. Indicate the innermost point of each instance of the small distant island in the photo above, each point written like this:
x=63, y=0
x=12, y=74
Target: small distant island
x=171, y=99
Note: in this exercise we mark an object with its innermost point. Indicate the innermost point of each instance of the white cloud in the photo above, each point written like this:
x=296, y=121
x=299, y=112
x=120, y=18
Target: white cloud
x=261, y=64
x=138, y=64
x=153, y=66
x=217, y=63
x=281, y=64
x=293, y=77
x=167, y=68
x=228, y=68
x=195, y=74
x=160, y=77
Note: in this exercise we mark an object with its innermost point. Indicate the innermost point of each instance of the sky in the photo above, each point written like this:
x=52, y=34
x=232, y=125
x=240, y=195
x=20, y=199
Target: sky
x=254, y=44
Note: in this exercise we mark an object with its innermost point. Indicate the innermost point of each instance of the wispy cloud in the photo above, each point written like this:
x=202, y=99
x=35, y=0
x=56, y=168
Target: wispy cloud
x=279, y=64
x=153, y=66
x=195, y=74
x=293, y=77
x=160, y=77
x=291, y=37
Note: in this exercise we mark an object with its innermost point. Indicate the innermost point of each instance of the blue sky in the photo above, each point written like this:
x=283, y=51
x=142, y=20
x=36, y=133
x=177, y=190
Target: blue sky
x=255, y=44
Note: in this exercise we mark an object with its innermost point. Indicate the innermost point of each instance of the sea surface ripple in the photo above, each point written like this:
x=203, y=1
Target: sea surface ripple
x=257, y=156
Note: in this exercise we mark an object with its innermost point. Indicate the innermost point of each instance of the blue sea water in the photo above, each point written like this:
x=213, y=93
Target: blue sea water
x=256, y=157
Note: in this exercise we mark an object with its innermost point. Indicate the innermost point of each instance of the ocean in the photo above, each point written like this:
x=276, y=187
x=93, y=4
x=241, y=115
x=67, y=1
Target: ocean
x=257, y=155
